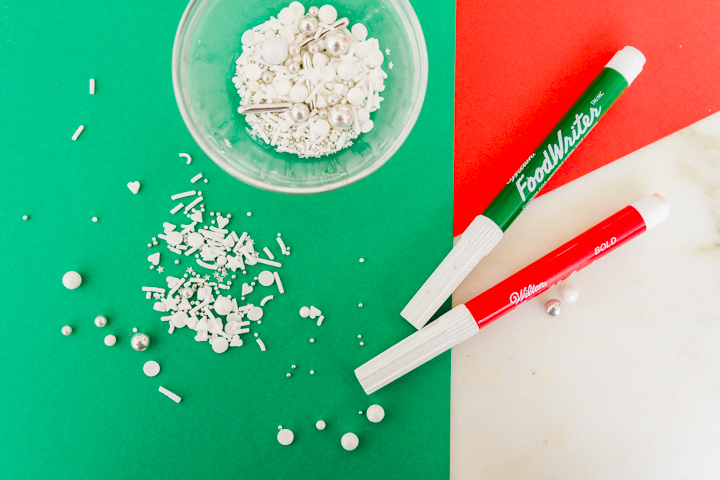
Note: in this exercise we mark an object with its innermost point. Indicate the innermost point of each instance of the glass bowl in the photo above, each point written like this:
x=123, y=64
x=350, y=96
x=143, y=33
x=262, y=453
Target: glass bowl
x=207, y=43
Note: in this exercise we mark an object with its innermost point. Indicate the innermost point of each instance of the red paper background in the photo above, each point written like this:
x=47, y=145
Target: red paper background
x=520, y=65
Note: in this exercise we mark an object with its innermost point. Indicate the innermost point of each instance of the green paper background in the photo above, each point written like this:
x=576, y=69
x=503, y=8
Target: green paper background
x=70, y=407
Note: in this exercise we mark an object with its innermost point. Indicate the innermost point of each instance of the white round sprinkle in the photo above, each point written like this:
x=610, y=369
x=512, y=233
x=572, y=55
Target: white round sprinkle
x=266, y=278
x=355, y=96
x=362, y=260
x=362, y=343
x=321, y=127
x=320, y=425
x=360, y=305
x=71, y=280
x=298, y=93
x=327, y=14
x=25, y=217
x=286, y=16
x=110, y=340
x=569, y=294
x=285, y=436
x=359, y=31
x=359, y=336
x=94, y=219
x=220, y=345
x=312, y=340
x=177, y=262
x=347, y=70
x=374, y=58
x=253, y=72
x=288, y=375
x=249, y=214
x=349, y=441
x=66, y=330
x=367, y=126
x=304, y=312
x=134, y=330
x=375, y=413
x=255, y=313
x=298, y=8
x=100, y=321
x=275, y=50
x=282, y=87
x=151, y=368
x=223, y=305
x=312, y=372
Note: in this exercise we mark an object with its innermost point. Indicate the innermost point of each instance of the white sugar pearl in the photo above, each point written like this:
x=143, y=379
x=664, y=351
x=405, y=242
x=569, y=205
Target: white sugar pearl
x=327, y=14
x=346, y=70
x=275, y=51
x=253, y=86
x=286, y=16
x=253, y=72
x=71, y=280
x=220, y=345
x=298, y=93
x=285, y=436
x=356, y=96
x=569, y=294
x=298, y=8
x=66, y=330
x=367, y=126
x=359, y=31
x=283, y=87
x=375, y=413
x=321, y=127
x=110, y=340
x=349, y=441
x=374, y=58
x=362, y=49
x=319, y=60
x=304, y=312
x=151, y=368
x=320, y=425
x=363, y=115
x=222, y=305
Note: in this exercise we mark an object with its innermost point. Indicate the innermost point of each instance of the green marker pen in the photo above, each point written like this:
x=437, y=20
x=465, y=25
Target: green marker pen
x=487, y=229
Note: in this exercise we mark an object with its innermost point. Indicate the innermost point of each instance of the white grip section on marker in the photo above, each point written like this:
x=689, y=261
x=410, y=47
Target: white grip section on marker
x=628, y=62
x=454, y=327
x=477, y=241
x=653, y=209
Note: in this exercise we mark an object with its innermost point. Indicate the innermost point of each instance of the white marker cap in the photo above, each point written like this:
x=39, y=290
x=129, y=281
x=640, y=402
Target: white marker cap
x=628, y=62
x=653, y=208
x=449, y=330
x=479, y=238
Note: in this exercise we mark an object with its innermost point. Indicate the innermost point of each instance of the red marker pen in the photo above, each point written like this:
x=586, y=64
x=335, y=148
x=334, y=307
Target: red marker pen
x=464, y=321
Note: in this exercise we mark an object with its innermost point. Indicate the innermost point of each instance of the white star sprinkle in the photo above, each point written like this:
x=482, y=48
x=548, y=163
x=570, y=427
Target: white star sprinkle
x=160, y=269
x=387, y=51
x=390, y=65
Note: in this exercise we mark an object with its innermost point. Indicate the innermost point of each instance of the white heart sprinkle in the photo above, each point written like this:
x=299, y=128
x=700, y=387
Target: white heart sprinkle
x=154, y=258
x=134, y=187
x=222, y=221
x=246, y=289
x=197, y=216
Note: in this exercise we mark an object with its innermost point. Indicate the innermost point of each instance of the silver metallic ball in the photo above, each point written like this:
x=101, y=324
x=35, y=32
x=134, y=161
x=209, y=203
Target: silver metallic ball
x=100, y=321
x=323, y=113
x=293, y=68
x=140, y=342
x=293, y=49
x=337, y=44
x=308, y=25
x=332, y=99
x=348, y=84
x=187, y=292
x=313, y=48
x=554, y=308
x=299, y=112
x=314, y=11
x=340, y=116
x=267, y=77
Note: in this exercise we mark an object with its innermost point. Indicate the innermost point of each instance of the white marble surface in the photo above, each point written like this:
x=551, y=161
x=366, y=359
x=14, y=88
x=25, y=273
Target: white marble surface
x=625, y=384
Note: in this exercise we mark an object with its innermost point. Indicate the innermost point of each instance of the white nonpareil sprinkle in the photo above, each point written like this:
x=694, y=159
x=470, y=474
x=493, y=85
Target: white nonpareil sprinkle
x=320, y=425
x=92, y=86
x=169, y=394
x=66, y=330
x=25, y=217
x=94, y=219
x=375, y=413
x=78, y=132
x=349, y=441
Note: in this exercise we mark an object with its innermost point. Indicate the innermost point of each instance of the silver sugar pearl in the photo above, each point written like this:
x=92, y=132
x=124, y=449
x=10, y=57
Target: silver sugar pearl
x=313, y=48
x=323, y=113
x=299, y=112
x=554, y=308
x=314, y=11
x=308, y=25
x=337, y=44
x=293, y=49
x=332, y=99
x=187, y=292
x=267, y=77
x=340, y=116
x=100, y=321
x=293, y=68
x=140, y=342
x=348, y=84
